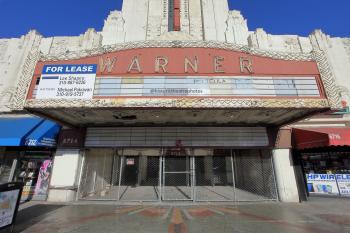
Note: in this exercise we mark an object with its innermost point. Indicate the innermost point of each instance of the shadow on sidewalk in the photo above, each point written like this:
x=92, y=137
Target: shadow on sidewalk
x=29, y=216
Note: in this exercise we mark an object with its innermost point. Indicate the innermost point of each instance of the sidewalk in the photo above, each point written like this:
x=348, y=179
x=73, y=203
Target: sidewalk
x=319, y=215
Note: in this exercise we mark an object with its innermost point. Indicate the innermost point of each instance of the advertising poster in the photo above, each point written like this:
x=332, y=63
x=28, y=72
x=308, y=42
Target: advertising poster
x=343, y=184
x=67, y=82
x=42, y=184
x=322, y=184
x=8, y=201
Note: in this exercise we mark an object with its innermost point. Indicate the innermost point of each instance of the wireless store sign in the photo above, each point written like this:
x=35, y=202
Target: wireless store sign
x=67, y=82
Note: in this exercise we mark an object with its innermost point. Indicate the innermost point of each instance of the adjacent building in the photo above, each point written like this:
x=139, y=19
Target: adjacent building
x=176, y=100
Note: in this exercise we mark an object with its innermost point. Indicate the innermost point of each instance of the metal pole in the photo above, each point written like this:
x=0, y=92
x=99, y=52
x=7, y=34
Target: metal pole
x=163, y=177
x=262, y=173
x=273, y=174
x=336, y=180
x=104, y=170
x=160, y=175
x=188, y=170
x=193, y=176
x=120, y=172
x=81, y=170
x=233, y=176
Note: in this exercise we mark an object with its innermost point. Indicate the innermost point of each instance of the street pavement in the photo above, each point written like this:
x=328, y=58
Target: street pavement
x=319, y=215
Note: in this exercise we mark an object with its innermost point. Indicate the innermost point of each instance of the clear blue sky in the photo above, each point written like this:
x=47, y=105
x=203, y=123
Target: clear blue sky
x=73, y=17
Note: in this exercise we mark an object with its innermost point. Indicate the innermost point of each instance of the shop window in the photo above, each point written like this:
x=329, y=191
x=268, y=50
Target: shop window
x=331, y=162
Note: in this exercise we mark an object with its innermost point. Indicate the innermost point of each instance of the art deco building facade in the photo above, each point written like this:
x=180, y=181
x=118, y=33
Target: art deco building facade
x=179, y=100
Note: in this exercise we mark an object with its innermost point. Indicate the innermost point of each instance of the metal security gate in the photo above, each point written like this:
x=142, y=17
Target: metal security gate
x=120, y=175
x=222, y=175
x=254, y=176
x=139, y=178
x=178, y=178
x=215, y=179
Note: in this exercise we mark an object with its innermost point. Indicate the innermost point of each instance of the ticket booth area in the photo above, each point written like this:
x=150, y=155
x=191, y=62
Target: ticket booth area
x=180, y=174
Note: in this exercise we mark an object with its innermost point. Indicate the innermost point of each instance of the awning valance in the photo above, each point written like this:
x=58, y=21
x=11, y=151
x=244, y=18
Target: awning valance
x=321, y=137
x=28, y=131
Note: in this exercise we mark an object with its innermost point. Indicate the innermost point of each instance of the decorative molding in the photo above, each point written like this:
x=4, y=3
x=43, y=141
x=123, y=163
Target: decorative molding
x=3, y=48
x=328, y=79
x=26, y=76
x=318, y=56
x=346, y=42
x=179, y=103
x=178, y=44
x=5, y=99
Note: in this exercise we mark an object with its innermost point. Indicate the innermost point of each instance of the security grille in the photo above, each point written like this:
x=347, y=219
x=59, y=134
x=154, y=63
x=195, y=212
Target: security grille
x=219, y=175
x=139, y=178
x=178, y=178
x=99, y=179
x=254, y=175
x=214, y=177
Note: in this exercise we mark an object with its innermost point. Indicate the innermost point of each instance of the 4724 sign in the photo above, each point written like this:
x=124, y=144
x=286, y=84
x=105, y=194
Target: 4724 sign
x=67, y=82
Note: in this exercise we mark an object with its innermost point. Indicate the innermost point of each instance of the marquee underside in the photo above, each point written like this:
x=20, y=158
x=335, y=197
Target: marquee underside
x=81, y=117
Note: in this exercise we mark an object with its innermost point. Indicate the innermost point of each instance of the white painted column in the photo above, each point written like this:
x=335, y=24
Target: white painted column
x=285, y=175
x=65, y=175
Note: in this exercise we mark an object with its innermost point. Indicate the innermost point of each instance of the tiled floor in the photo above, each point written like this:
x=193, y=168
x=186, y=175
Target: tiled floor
x=319, y=215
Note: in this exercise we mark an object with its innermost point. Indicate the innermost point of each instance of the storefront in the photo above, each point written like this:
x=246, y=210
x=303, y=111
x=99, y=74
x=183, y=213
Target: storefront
x=27, y=149
x=325, y=157
x=198, y=167
x=195, y=122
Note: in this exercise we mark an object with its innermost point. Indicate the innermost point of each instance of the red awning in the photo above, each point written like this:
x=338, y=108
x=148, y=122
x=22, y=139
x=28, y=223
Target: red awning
x=321, y=137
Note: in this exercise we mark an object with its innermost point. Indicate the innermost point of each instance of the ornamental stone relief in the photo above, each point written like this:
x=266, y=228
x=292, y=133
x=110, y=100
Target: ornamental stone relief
x=5, y=99
x=26, y=74
x=328, y=79
x=292, y=44
x=179, y=103
x=3, y=48
x=319, y=56
x=347, y=46
x=177, y=44
x=65, y=45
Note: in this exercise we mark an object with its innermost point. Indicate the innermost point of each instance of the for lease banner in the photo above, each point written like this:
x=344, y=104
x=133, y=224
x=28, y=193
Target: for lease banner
x=67, y=82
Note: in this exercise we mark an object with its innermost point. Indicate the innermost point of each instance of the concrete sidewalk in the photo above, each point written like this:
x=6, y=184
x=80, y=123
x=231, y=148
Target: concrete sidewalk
x=319, y=215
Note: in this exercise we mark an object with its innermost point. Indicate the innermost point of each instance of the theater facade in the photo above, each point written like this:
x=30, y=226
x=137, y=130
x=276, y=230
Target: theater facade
x=177, y=115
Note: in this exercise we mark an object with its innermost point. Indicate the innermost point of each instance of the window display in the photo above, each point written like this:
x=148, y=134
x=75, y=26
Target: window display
x=327, y=172
x=326, y=162
x=35, y=175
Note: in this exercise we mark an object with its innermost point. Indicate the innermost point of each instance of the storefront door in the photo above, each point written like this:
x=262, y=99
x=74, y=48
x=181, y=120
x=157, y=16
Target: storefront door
x=131, y=167
x=177, y=178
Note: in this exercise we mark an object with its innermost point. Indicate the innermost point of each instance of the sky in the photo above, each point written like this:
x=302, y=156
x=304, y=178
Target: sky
x=74, y=17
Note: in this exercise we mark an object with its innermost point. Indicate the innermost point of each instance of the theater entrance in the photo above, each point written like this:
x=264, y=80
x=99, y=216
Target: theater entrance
x=177, y=175
x=163, y=174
